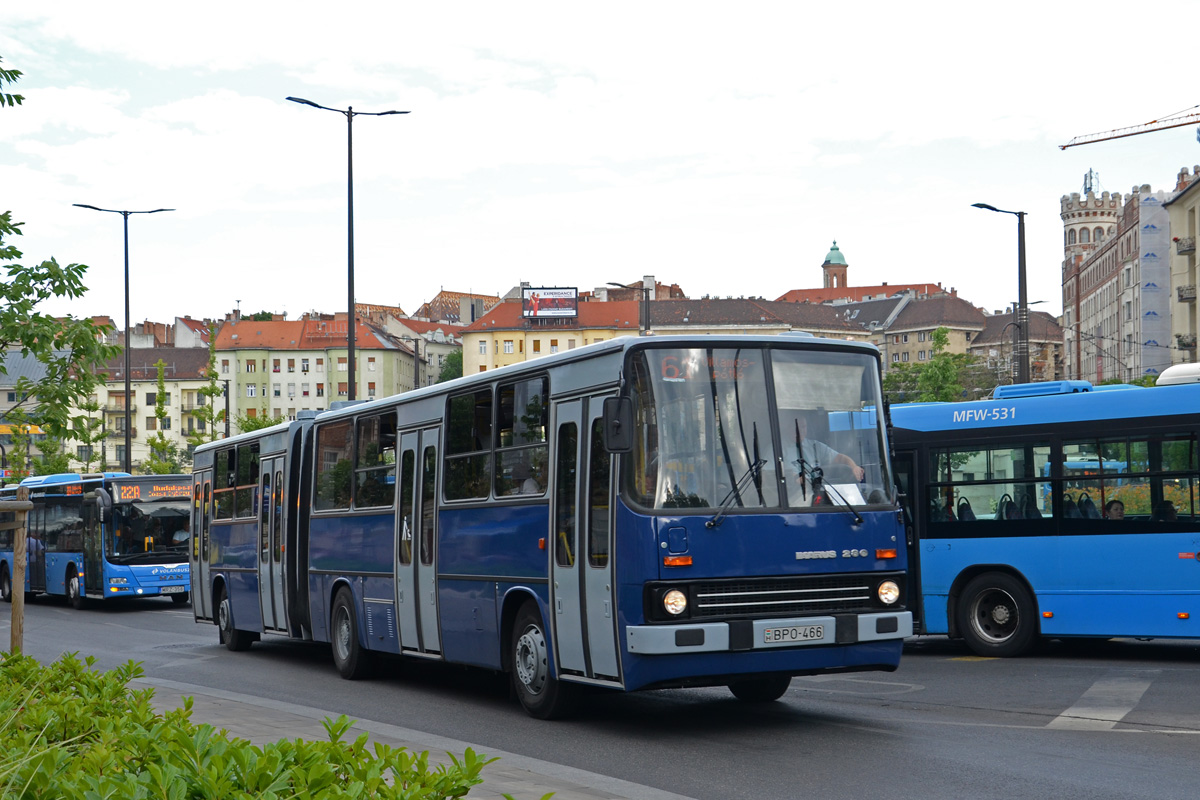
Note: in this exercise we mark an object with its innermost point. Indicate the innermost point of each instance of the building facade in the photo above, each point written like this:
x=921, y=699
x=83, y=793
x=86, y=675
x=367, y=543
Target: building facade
x=1182, y=211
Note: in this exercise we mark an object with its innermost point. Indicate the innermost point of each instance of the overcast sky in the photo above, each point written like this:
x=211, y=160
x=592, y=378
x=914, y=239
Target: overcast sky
x=722, y=147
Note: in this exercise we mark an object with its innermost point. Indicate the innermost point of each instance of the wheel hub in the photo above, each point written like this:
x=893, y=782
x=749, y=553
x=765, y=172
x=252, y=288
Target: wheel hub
x=530, y=660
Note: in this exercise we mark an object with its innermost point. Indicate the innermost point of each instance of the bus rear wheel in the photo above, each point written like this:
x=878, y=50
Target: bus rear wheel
x=74, y=594
x=542, y=695
x=996, y=616
x=352, y=660
x=231, y=637
x=761, y=690
x=5, y=584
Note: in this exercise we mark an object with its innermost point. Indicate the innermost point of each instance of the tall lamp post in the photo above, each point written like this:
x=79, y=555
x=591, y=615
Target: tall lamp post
x=1022, y=353
x=126, y=462
x=350, y=114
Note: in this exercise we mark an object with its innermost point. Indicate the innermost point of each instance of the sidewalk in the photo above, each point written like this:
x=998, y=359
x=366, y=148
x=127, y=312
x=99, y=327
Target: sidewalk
x=262, y=721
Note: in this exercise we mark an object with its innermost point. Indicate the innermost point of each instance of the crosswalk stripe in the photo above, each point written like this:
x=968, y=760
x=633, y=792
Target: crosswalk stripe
x=1106, y=703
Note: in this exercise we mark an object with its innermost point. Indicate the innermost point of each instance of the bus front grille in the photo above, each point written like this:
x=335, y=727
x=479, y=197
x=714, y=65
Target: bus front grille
x=783, y=597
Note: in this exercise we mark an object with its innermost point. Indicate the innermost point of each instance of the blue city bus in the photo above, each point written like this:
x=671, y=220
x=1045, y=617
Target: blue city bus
x=102, y=536
x=626, y=515
x=1053, y=510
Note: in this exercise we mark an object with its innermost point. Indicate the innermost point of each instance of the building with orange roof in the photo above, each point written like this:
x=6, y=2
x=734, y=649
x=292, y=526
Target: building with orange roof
x=434, y=341
x=279, y=367
x=504, y=336
x=836, y=288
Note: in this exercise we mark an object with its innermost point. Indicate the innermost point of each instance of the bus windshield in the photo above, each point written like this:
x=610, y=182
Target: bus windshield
x=150, y=532
x=753, y=428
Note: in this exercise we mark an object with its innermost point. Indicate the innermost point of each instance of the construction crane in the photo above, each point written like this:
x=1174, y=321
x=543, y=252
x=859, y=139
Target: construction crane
x=1188, y=116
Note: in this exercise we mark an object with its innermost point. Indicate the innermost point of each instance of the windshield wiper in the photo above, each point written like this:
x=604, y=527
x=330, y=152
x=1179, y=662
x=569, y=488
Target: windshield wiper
x=752, y=471
x=817, y=476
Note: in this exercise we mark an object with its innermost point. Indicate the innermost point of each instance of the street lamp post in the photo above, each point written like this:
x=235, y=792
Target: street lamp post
x=643, y=307
x=1022, y=302
x=126, y=463
x=350, y=114
x=416, y=341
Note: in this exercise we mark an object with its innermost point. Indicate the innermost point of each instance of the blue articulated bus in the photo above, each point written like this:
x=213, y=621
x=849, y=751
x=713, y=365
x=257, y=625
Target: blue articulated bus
x=633, y=514
x=1053, y=510
x=103, y=536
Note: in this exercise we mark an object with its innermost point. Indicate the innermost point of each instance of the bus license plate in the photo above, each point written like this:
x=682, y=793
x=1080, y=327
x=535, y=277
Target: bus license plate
x=793, y=633
x=173, y=589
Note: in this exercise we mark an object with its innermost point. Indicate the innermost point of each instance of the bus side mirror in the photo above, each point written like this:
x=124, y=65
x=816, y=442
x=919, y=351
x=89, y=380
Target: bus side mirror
x=104, y=505
x=618, y=424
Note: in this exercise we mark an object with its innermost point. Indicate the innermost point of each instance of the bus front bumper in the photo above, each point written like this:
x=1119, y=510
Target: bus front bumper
x=767, y=634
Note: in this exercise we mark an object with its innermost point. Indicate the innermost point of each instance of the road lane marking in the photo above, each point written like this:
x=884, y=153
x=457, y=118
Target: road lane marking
x=1106, y=703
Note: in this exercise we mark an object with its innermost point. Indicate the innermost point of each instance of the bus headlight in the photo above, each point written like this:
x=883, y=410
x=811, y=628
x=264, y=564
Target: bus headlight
x=675, y=602
x=888, y=592
x=118, y=580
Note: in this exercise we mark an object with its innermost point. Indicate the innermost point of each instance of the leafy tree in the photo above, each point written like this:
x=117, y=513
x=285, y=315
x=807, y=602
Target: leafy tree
x=20, y=441
x=89, y=431
x=452, y=367
x=70, y=351
x=208, y=414
x=165, y=455
x=10, y=76
x=263, y=316
x=54, y=457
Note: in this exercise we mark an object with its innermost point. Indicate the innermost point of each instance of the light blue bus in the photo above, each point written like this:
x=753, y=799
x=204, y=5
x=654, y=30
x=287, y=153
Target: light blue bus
x=103, y=536
x=627, y=515
x=1053, y=510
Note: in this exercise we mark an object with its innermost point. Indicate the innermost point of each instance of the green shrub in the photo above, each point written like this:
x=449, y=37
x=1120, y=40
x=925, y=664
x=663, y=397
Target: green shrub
x=68, y=732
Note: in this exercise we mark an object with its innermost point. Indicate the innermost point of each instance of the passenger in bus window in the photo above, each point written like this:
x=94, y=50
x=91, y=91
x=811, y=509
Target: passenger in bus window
x=1114, y=509
x=1165, y=512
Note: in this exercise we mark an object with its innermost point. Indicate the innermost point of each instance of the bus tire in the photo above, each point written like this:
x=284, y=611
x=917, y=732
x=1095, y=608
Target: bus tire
x=5, y=584
x=231, y=637
x=761, y=690
x=179, y=599
x=351, y=659
x=542, y=695
x=997, y=616
x=74, y=595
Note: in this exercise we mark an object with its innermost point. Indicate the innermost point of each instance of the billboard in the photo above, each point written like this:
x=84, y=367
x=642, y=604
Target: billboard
x=543, y=302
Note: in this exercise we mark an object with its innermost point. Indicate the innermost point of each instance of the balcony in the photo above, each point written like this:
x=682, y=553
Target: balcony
x=1185, y=245
x=1186, y=294
x=1186, y=341
x=113, y=409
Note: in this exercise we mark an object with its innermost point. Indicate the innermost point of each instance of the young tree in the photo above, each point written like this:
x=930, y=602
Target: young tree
x=71, y=351
x=452, y=367
x=165, y=457
x=54, y=458
x=208, y=414
x=89, y=431
x=20, y=440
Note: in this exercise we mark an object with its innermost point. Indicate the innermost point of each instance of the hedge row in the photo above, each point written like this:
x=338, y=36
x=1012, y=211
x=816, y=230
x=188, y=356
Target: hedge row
x=69, y=732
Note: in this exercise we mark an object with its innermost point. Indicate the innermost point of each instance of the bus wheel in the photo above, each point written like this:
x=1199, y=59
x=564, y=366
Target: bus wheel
x=543, y=696
x=996, y=616
x=352, y=661
x=761, y=690
x=74, y=596
x=5, y=584
x=232, y=638
x=179, y=599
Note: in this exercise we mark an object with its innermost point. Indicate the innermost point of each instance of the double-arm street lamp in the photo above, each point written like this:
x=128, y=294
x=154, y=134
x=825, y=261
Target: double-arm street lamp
x=350, y=114
x=126, y=462
x=1022, y=353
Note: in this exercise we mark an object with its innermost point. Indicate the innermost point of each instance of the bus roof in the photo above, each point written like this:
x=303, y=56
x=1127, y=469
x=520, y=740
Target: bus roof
x=1045, y=409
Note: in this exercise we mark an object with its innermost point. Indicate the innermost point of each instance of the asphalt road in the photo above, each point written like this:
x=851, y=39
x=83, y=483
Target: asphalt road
x=1117, y=719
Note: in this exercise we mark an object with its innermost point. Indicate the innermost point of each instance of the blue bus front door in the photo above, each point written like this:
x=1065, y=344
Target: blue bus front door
x=416, y=542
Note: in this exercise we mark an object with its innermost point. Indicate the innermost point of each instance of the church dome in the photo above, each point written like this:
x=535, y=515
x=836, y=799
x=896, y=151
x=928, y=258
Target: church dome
x=835, y=256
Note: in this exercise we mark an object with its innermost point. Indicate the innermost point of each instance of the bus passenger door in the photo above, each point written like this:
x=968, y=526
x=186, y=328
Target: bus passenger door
x=270, y=543
x=198, y=559
x=581, y=596
x=406, y=532
x=426, y=551
x=35, y=548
